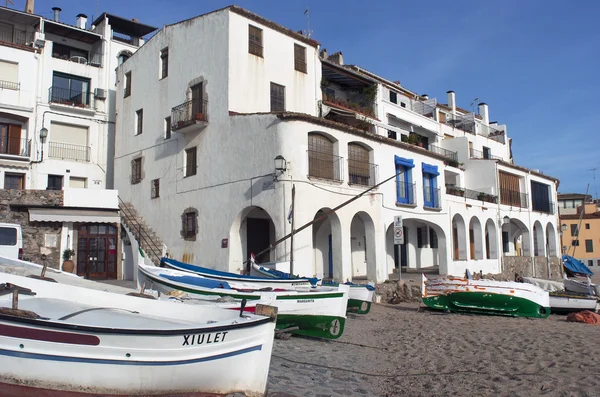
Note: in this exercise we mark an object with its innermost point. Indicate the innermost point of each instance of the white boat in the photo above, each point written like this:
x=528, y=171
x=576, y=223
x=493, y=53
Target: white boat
x=313, y=312
x=580, y=287
x=458, y=294
x=83, y=342
x=565, y=302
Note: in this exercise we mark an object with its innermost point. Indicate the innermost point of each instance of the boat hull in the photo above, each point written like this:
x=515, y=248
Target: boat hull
x=567, y=303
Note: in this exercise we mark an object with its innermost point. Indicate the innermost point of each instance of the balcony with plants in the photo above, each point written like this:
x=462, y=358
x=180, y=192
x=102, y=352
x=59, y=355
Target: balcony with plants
x=471, y=194
x=190, y=116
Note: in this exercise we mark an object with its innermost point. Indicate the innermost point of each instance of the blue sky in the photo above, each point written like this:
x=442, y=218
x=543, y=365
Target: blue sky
x=535, y=63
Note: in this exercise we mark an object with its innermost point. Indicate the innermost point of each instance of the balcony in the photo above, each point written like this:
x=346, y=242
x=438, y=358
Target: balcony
x=190, y=116
x=471, y=194
x=431, y=197
x=8, y=34
x=68, y=97
x=465, y=122
x=67, y=151
x=9, y=85
x=449, y=154
x=492, y=133
x=90, y=58
x=513, y=198
x=361, y=173
x=405, y=193
x=425, y=108
x=325, y=165
x=478, y=154
x=15, y=146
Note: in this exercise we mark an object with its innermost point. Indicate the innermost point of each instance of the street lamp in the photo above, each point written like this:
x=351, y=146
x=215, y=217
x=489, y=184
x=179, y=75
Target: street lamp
x=43, y=135
x=280, y=163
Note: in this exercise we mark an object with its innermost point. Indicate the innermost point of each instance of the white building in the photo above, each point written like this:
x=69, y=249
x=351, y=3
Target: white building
x=198, y=128
x=57, y=118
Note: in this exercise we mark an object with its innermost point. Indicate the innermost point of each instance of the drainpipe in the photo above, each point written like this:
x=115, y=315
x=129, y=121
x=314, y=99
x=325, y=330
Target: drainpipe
x=499, y=246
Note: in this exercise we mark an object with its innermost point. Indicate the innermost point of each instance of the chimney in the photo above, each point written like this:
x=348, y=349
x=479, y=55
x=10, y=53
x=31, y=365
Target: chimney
x=323, y=53
x=452, y=101
x=29, y=6
x=425, y=96
x=337, y=57
x=57, y=11
x=484, y=112
x=81, y=21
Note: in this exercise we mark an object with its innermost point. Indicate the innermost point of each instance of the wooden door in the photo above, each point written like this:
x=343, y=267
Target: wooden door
x=455, y=242
x=197, y=99
x=14, y=139
x=97, y=251
x=472, y=243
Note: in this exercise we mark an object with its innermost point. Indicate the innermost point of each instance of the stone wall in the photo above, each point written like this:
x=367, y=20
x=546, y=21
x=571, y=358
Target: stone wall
x=36, y=235
x=532, y=267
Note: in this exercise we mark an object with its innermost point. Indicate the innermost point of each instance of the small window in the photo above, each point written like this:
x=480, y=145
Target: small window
x=155, y=188
x=77, y=182
x=598, y=262
x=392, y=134
x=168, y=127
x=421, y=237
x=393, y=97
x=589, y=245
x=139, y=121
x=127, y=85
x=486, y=153
x=164, y=63
x=573, y=229
x=189, y=224
x=300, y=58
x=190, y=161
x=587, y=226
x=575, y=243
x=590, y=262
x=8, y=236
x=136, y=170
x=55, y=182
x=277, y=98
x=255, y=45
x=14, y=181
x=402, y=104
x=433, y=240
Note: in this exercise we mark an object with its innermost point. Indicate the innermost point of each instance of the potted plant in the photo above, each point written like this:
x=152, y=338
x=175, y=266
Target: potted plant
x=200, y=117
x=68, y=264
x=481, y=196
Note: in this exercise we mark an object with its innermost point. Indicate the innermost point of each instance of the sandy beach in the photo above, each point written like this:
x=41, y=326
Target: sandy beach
x=401, y=350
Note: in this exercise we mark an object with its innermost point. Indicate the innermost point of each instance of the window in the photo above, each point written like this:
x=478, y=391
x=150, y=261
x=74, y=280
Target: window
x=136, y=170
x=405, y=193
x=589, y=245
x=575, y=243
x=430, y=191
x=277, y=98
x=587, y=226
x=255, y=45
x=189, y=225
x=540, y=197
x=486, y=153
x=10, y=74
x=574, y=230
x=164, y=63
x=321, y=161
x=10, y=140
x=359, y=168
x=433, y=240
x=70, y=90
x=123, y=57
x=510, y=193
x=63, y=51
x=300, y=58
x=14, y=181
x=402, y=104
x=139, y=122
x=68, y=142
x=55, y=182
x=168, y=127
x=393, y=97
x=155, y=188
x=421, y=237
x=590, y=262
x=8, y=236
x=505, y=244
x=77, y=182
x=190, y=161
x=598, y=262
x=127, y=91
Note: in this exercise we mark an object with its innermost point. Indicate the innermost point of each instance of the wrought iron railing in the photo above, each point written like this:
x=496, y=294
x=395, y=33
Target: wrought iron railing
x=15, y=146
x=325, y=165
x=67, y=151
x=492, y=133
x=465, y=122
x=444, y=152
x=93, y=58
x=546, y=207
x=188, y=113
x=359, y=106
x=471, y=194
x=406, y=192
x=424, y=108
x=513, y=198
x=9, y=85
x=9, y=34
x=66, y=96
x=431, y=197
x=362, y=173
x=146, y=241
x=478, y=154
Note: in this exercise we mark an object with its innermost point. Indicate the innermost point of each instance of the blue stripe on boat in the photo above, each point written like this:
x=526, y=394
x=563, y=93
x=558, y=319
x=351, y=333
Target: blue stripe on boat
x=48, y=357
x=197, y=281
x=367, y=286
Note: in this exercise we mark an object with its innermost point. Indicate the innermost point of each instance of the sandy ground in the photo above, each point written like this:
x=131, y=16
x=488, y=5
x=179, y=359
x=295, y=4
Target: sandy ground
x=397, y=350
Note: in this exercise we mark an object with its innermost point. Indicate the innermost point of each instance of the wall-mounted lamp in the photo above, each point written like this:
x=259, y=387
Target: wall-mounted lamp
x=43, y=133
x=43, y=136
x=564, y=227
x=280, y=166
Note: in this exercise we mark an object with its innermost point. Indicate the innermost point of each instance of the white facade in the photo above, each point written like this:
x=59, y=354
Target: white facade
x=209, y=188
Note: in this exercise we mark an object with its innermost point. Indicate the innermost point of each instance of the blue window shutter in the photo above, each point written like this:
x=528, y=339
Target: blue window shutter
x=430, y=169
x=408, y=163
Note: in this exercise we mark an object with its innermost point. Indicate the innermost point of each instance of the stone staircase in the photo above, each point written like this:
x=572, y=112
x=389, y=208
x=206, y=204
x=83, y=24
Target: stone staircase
x=149, y=242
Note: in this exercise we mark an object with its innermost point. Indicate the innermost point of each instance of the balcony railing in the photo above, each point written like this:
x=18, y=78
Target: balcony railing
x=188, y=113
x=426, y=109
x=431, y=197
x=471, y=194
x=465, y=122
x=449, y=154
x=545, y=207
x=478, y=154
x=15, y=146
x=513, y=198
x=492, y=133
x=9, y=34
x=405, y=193
x=362, y=173
x=66, y=96
x=358, y=107
x=325, y=165
x=67, y=151
x=93, y=58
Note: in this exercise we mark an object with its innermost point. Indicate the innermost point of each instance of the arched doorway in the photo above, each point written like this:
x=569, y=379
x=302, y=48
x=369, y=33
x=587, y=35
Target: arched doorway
x=539, y=242
x=459, y=241
x=424, y=246
x=362, y=246
x=475, y=242
x=515, y=238
x=397, y=255
x=327, y=245
x=491, y=240
x=551, y=240
x=252, y=231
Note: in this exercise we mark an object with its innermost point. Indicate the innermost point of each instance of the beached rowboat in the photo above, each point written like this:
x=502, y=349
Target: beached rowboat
x=458, y=294
x=65, y=340
x=314, y=313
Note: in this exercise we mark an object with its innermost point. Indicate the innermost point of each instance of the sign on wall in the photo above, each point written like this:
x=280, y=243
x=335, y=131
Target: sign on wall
x=398, y=230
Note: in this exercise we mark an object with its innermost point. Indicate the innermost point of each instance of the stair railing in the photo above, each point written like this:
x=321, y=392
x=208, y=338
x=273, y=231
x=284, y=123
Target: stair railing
x=140, y=233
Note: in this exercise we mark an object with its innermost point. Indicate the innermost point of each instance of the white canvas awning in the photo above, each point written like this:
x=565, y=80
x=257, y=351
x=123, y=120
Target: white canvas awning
x=73, y=215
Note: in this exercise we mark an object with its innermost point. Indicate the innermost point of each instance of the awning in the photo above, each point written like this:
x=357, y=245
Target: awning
x=73, y=215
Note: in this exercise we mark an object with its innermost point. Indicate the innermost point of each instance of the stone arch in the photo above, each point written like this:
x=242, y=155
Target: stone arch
x=515, y=238
x=491, y=240
x=551, y=240
x=476, y=249
x=459, y=241
x=327, y=246
x=362, y=246
x=252, y=230
x=539, y=242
